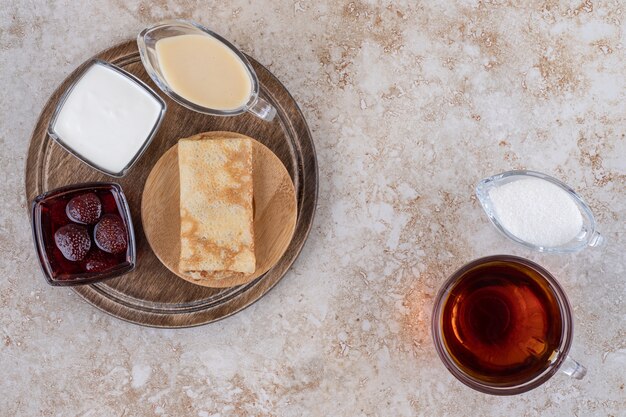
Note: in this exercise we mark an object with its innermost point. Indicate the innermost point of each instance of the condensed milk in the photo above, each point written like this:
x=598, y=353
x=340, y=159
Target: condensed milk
x=204, y=71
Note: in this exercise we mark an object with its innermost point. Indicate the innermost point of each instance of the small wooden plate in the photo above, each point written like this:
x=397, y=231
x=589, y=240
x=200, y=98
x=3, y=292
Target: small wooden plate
x=275, y=211
x=152, y=295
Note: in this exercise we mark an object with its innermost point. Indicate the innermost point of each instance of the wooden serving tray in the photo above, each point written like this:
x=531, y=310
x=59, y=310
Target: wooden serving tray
x=151, y=295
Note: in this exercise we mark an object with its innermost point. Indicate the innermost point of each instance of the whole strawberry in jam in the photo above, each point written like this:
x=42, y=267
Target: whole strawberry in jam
x=99, y=261
x=84, y=208
x=73, y=241
x=110, y=234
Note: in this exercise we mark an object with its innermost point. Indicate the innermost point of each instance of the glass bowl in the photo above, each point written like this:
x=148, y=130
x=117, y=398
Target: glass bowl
x=146, y=41
x=588, y=235
x=49, y=214
x=58, y=139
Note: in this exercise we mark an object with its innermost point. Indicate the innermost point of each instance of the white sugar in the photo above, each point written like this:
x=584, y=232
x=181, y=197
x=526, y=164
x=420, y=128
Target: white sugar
x=537, y=211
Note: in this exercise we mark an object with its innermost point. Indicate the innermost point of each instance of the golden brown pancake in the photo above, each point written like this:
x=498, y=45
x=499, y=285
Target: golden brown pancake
x=216, y=216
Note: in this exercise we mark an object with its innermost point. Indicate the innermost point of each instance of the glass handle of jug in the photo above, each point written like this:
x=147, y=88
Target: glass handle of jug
x=262, y=109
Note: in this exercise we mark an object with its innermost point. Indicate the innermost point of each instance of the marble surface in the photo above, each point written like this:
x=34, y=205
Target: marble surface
x=410, y=104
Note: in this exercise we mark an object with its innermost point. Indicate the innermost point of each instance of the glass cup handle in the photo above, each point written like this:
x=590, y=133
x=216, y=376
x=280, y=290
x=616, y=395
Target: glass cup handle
x=572, y=368
x=262, y=109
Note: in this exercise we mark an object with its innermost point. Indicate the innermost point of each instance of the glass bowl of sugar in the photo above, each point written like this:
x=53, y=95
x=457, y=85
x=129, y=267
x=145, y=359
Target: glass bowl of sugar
x=538, y=211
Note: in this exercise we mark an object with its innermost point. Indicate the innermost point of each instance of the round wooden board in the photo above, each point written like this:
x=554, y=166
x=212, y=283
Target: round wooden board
x=152, y=295
x=275, y=211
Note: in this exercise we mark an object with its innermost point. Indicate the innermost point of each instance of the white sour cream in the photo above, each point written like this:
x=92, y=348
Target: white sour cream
x=107, y=118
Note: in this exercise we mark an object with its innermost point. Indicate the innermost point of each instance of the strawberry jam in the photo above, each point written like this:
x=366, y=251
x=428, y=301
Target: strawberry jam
x=83, y=233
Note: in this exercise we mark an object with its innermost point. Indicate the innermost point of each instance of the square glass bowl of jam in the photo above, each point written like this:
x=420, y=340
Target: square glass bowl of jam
x=83, y=233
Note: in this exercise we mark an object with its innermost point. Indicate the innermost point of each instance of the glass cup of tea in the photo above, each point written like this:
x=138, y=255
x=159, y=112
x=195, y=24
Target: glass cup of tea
x=201, y=70
x=502, y=325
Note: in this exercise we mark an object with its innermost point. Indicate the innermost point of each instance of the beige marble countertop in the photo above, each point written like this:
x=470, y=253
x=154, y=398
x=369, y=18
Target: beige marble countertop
x=410, y=104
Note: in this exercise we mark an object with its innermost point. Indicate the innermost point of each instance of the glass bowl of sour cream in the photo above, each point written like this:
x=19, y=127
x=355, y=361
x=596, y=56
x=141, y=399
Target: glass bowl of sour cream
x=538, y=211
x=107, y=118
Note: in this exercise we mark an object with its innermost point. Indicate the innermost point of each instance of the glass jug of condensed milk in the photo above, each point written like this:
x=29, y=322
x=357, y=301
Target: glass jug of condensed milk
x=201, y=70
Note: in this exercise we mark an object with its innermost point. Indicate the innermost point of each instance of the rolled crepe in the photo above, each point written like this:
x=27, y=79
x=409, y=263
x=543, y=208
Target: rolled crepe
x=216, y=216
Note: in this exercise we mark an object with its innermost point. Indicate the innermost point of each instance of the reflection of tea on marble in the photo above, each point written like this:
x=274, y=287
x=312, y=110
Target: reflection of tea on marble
x=204, y=71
